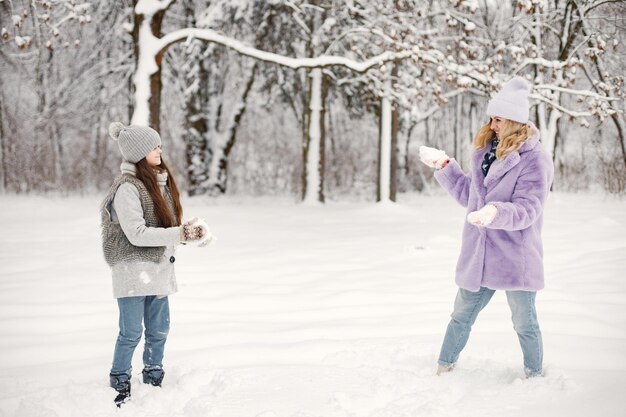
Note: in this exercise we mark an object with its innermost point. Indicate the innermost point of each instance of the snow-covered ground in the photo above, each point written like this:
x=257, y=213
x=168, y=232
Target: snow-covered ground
x=307, y=311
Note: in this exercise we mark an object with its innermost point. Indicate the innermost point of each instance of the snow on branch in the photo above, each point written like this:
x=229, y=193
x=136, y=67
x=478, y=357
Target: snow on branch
x=151, y=7
x=585, y=9
x=294, y=63
x=466, y=74
x=28, y=24
x=564, y=110
x=585, y=93
x=557, y=65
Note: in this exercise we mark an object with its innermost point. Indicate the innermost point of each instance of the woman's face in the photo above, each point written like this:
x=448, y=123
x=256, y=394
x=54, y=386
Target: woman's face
x=154, y=158
x=497, y=123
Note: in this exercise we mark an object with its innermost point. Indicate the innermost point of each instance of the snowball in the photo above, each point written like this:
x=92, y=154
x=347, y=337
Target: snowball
x=432, y=154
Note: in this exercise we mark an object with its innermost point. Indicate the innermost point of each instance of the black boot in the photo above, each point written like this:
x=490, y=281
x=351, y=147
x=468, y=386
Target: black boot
x=121, y=384
x=153, y=376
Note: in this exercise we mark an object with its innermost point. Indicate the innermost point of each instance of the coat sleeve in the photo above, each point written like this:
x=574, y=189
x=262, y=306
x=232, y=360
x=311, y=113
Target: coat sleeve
x=529, y=196
x=454, y=181
x=127, y=206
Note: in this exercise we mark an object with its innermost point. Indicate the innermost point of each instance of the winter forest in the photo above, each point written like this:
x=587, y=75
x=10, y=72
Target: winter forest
x=293, y=127
x=314, y=99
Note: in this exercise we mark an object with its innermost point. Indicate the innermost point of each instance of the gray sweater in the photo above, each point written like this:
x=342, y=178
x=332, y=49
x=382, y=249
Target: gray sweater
x=142, y=277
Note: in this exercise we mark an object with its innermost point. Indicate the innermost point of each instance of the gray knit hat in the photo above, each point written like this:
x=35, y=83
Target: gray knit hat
x=135, y=142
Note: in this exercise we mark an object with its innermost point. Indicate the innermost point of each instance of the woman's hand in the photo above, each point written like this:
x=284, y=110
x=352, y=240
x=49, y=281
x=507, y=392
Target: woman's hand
x=484, y=216
x=434, y=158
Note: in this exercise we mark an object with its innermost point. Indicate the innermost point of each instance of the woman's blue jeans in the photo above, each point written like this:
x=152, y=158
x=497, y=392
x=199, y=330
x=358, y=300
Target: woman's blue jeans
x=468, y=304
x=154, y=312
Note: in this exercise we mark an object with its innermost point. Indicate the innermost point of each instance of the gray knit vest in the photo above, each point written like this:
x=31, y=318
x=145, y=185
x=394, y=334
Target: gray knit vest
x=115, y=245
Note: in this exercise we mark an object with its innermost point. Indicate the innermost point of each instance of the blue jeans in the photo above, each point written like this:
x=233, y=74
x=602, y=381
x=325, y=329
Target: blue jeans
x=155, y=314
x=466, y=308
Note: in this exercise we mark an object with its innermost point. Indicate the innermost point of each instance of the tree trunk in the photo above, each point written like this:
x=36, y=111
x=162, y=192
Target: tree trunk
x=384, y=147
x=196, y=132
x=147, y=77
x=458, y=127
x=388, y=145
x=407, y=145
x=313, y=175
x=322, y=164
x=219, y=176
x=393, y=177
x=3, y=152
x=137, y=19
x=156, y=84
x=197, y=154
x=57, y=153
x=547, y=118
x=474, y=121
x=620, y=135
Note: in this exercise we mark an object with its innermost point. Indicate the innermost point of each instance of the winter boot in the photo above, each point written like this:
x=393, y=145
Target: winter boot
x=153, y=376
x=121, y=384
x=532, y=374
x=442, y=369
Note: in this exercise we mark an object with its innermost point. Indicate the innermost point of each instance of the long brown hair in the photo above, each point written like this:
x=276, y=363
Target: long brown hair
x=512, y=137
x=148, y=175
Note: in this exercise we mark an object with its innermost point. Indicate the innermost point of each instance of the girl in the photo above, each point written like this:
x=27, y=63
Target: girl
x=505, y=194
x=141, y=225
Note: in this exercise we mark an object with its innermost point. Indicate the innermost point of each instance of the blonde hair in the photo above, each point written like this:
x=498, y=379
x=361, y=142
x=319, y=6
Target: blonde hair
x=512, y=137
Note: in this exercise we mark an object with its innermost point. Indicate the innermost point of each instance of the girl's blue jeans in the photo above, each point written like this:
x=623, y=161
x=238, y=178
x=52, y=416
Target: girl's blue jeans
x=154, y=312
x=468, y=304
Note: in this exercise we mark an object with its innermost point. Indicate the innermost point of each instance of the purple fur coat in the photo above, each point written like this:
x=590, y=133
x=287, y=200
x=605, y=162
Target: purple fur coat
x=508, y=253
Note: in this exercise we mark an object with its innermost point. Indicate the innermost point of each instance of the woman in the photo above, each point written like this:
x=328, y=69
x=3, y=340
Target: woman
x=505, y=194
x=141, y=225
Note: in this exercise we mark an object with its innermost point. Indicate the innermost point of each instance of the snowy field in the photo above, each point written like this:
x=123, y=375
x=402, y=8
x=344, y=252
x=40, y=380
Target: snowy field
x=307, y=311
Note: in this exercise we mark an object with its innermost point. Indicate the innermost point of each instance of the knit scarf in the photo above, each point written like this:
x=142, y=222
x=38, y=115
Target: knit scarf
x=489, y=157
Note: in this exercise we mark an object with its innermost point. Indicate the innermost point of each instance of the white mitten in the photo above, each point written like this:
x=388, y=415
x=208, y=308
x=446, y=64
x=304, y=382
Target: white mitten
x=484, y=216
x=196, y=230
x=434, y=158
x=206, y=238
x=191, y=232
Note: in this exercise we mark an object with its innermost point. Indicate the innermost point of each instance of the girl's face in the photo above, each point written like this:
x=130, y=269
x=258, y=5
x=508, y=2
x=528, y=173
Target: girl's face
x=154, y=158
x=497, y=123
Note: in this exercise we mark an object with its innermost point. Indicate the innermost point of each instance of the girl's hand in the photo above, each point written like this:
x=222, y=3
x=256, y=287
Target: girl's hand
x=192, y=230
x=196, y=230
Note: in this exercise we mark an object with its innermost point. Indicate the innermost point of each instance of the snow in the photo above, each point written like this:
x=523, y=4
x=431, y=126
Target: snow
x=433, y=157
x=146, y=66
x=151, y=7
x=301, y=311
x=470, y=27
x=294, y=63
x=21, y=42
